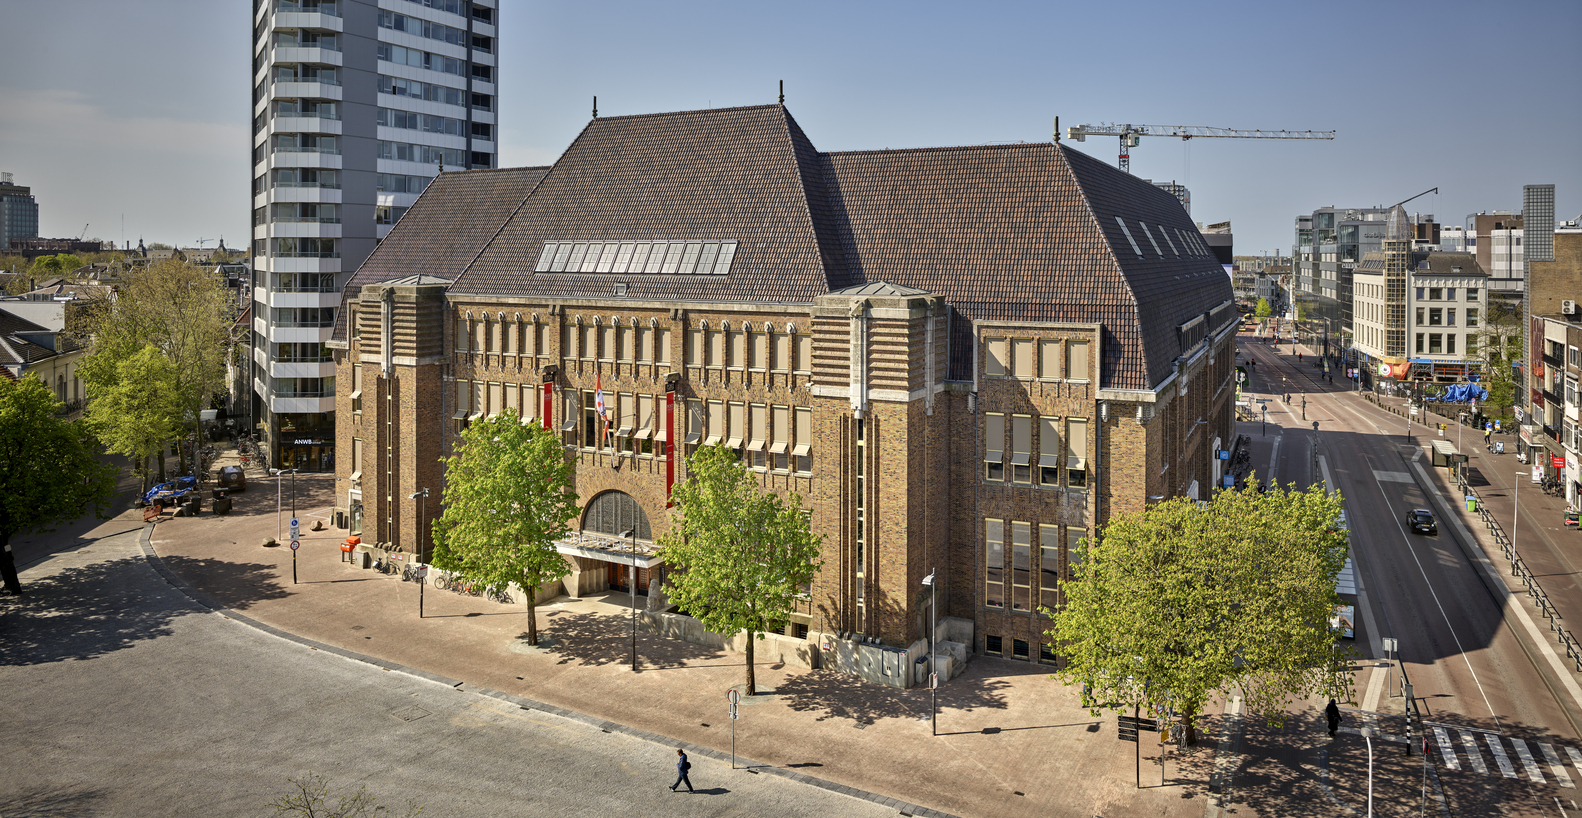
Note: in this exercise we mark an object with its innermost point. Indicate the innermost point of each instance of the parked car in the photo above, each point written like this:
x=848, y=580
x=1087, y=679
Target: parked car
x=1421, y=520
x=233, y=478
x=169, y=493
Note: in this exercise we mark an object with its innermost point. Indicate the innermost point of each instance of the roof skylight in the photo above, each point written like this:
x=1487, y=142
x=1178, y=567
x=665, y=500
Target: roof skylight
x=1135, y=248
x=699, y=258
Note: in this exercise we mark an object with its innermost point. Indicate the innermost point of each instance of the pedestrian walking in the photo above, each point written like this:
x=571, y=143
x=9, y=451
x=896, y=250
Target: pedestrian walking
x=1332, y=715
x=683, y=765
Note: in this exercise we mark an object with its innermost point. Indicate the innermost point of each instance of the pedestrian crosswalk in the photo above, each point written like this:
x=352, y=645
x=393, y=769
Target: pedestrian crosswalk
x=1477, y=747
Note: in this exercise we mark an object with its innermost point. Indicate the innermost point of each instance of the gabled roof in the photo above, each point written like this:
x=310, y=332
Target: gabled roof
x=730, y=174
x=1449, y=264
x=1026, y=232
x=421, y=278
x=881, y=288
x=444, y=229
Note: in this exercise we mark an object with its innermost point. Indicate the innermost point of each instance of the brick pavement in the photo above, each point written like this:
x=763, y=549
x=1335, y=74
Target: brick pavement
x=1011, y=741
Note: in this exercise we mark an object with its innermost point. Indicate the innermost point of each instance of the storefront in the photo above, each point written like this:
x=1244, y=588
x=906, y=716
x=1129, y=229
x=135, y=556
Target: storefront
x=307, y=453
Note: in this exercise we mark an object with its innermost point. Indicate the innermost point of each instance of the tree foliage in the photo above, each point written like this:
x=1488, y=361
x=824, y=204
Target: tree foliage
x=1502, y=341
x=140, y=410
x=1179, y=601
x=508, y=497
x=740, y=555
x=1263, y=310
x=49, y=473
x=59, y=265
x=179, y=309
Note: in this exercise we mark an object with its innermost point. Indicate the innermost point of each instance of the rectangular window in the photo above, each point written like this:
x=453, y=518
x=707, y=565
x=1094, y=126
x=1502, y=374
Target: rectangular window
x=994, y=447
x=804, y=353
x=607, y=352
x=1077, y=453
x=628, y=423
x=1450, y=293
x=994, y=563
x=1074, y=537
x=663, y=345
x=781, y=352
x=1436, y=294
x=1049, y=360
x=802, y=451
x=628, y=344
x=995, y=363
x=1450, y=317
x=1436, y=343
x=1472, y=344
x=695, y=424
x=737, y=430
x=1021, y=566
x=357, y=388
x=758, y=434
x=1046, y=654
x=463, y=398
x=672, y=260
x=357, y=459
x=1021, y=448
x=480, y=398
x=1049, y=566
x=694, y=347
x=1421, y=314
x=590, y=342
x=1419, y=342
x=1049, y=451
x=1019, y=646
x=592, y=427
x=738, y=349
x=496, y=399
x=780, y=446
x=1022, y=358
x=1436, y=317
x=1450, y=343
x=1419, y=293
x=758, y=345
x=716, y=432
x=463, y=333
x=716, y=347
x=1077, y=361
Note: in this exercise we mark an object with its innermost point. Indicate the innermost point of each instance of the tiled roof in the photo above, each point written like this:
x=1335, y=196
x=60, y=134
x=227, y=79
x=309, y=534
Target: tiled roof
x=1448, y=264
x=734, y=174
x=444, y=229
x=1005, y=232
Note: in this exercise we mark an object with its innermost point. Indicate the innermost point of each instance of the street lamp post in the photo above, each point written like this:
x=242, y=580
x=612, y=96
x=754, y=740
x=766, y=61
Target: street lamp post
x=280, y=473
x=1367, y=735
x=632, y=586
x=421, y=553
x=933, y=654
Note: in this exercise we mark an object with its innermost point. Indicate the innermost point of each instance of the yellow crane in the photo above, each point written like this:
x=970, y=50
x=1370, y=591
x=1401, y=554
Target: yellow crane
x=1130, y=135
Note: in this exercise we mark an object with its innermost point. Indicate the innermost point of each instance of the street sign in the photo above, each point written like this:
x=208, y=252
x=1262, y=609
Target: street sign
x=295, y=544
x=293, y=522
x=1127, y=727
x=734, y=715
x=1388, y=644
x=733, y=696
x=933, y=680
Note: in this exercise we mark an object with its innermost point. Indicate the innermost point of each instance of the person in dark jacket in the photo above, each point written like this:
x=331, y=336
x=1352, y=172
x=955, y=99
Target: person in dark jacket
x=1332, y=714
x=683, y=766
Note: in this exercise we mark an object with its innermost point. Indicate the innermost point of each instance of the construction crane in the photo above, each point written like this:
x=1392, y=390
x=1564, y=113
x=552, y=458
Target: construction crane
x=83, y=233
x=202, y=242
x=1131, y=134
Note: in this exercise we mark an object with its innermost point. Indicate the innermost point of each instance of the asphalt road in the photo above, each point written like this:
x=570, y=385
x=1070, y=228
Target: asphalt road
x=123, y=697
x=1474, y=675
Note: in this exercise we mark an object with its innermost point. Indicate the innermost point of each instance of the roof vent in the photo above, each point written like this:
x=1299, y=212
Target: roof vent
x=1455, y=268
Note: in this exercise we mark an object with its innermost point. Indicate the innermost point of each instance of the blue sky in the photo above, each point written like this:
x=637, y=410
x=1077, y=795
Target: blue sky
x=140, y=109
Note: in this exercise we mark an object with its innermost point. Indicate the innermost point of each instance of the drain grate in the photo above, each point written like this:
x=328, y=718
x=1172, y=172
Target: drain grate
x=357, y=627
x=412, y=713
x=861, y=725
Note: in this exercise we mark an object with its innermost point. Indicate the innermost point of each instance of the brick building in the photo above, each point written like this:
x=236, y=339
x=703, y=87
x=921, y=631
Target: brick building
x=965, y=358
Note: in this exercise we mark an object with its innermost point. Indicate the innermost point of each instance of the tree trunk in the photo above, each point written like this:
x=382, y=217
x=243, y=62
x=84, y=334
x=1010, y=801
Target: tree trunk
x=8, y=573
x=1189, y=720
x=752, y=683
x=532, y=615
x=160, y=456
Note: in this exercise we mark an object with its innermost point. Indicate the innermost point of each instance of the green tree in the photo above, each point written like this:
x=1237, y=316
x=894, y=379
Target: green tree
x=178, y=308
x=1501, y=340
x=49, y=473
x=1263, y=310
x=1179, y=601
x=741, y=556
x=508, y=496
x=59, y=265
x=141, y=409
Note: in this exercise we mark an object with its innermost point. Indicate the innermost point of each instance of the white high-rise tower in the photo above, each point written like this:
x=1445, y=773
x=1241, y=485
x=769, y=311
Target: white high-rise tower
x=357, y=104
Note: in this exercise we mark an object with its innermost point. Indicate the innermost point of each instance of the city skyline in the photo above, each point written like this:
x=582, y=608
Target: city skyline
x=122, y=129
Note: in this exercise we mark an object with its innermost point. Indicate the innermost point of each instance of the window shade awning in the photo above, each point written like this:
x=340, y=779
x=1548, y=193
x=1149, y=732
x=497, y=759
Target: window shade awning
x=733, y=443
x=623, y=431
x=461, y=414
x=1049, y=461
x=801, y=450
x=1020, y=458
x=356, y=475
x=1077, y=463
x=643, y=433
x=711, y=440
x=568, y=426
x=754, y=445
x=777, y=447
x=993, y=456
x=355, y=395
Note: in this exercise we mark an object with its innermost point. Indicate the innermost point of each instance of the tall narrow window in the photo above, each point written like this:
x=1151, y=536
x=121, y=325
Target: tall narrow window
x=644, y=345
x=496, y=399
x=696, y=424
x=607, y=352
x=590, y=342
x=1077, y=453
x=463, y=334
x=994, y=563
x=663, y=345
x=512, y=400
x=1074, y=537
x=804, y=353
x=1077, y=361
x=758, y=347
x=645, y=424
x=1049, y=566
x=694, y=347
x=592, y=429
x=628, y=344
x=716, y=349
x=1021, y=566
x=758, y=437
x=738, y=342
x=780, y=447
x=480, y=400
x=1049, y=360
x=1022, y=358
x=628, y=426
x=463, y=402
x=802, y=451
x=1049, y=451
x=716, y=431
x=782, y=351
x=994, y=362
x=737, y=429
x=1021, y=448
x=994, y=447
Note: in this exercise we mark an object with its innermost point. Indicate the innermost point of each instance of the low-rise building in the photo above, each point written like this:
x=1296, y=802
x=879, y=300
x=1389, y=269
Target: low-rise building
x=966, y=359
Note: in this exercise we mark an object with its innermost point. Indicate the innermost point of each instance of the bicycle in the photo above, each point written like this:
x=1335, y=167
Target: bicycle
x=442, y=582
x=500, y=595
x=412, y=573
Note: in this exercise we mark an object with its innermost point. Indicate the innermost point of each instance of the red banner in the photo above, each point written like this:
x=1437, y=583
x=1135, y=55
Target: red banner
x=1557, y=461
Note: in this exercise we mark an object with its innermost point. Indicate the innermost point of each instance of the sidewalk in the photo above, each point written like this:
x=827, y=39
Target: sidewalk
x=1011, y=741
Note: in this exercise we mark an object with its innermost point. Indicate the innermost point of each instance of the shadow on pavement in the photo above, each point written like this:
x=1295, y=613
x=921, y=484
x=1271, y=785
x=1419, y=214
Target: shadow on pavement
x=235, y=585
x=79, y=614
x=56, y=802
x=600, y=639
x=831, y=695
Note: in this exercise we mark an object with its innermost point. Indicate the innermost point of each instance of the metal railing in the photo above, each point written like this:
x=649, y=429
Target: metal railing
x=1519, y=570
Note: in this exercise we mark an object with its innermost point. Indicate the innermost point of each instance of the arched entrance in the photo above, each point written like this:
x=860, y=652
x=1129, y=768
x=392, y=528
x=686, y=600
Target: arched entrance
x=612, y=514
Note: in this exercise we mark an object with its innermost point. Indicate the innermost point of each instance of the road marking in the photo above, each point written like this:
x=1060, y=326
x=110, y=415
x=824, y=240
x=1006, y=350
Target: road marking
x=1534, y=772
x=1474, y=757
x=1576, y=758
x=1556, y=766
x=1393, y=476
x=1370, y=700
x=1447, y=749
x=1500, y=757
